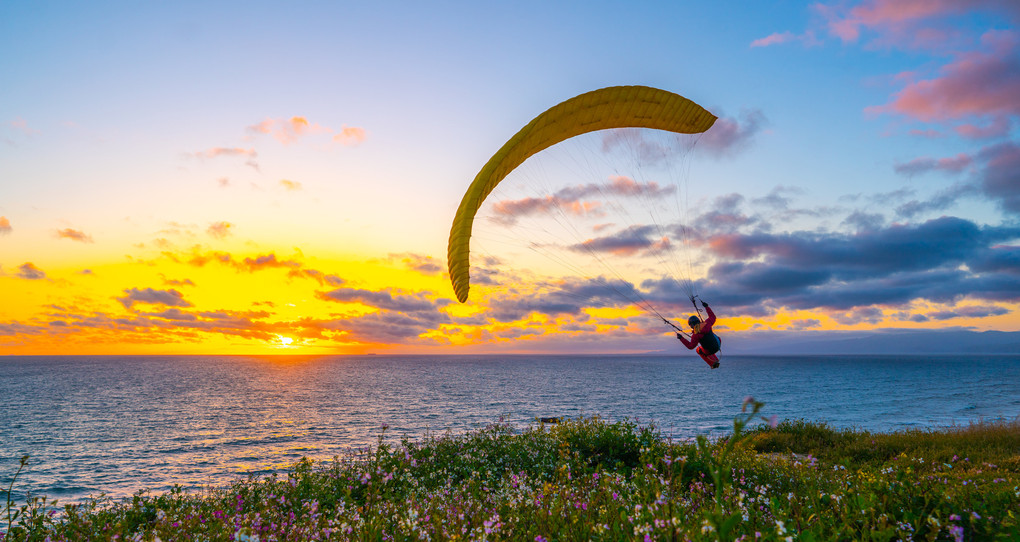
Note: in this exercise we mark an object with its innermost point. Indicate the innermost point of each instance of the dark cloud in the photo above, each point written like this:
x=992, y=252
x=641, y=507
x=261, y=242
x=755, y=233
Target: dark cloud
x=968, y=312
x=29, y=271
x=1000, y=179
x=322, y=278
x=861, y=221
x=170, y=298
x=385, y=300
x=626, y=242
x=399, y=318
x=858, y=315
x=426, y=265
x=567, y=297
x=941, y=260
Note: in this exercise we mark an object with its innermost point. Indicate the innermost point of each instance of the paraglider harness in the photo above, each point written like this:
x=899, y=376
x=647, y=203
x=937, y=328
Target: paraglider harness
x=710, y=342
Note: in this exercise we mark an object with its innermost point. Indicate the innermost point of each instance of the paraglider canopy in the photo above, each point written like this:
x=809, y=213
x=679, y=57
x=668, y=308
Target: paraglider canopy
x=607, y=108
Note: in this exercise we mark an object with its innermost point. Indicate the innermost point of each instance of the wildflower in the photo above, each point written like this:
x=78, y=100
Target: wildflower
x=957, y=533
x=954, y=517
x=974, y=515
x=773, y=421
x=747, y=400
x=540, y=538
x=780, y=527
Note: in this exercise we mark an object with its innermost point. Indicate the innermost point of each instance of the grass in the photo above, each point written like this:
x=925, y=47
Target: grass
x=591, y=479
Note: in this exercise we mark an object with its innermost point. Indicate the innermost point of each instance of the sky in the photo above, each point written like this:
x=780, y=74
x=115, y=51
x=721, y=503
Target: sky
x=267, y=178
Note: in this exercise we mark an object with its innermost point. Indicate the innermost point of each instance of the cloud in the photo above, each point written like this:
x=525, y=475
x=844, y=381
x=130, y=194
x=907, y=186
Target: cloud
x=968, y=312
x=729, y=135
x=955, y=164
x=998, y=127
x=773, y=39
x=627, y=242
x=569, y=296
x=942, y=260
x=29, y=271
x=22, y=126
x=426, y=265
x=219, y=230
x=1000, y=177
x=350, y=136
x=399, y=317
x=570, y=200
x=176, y=282
x=385, y=300
x=288, y=131
x=170, y=298
x=858, y=315
x=996, y=176
x=917, y=24
x=217, y=152
x=5, y=226
x=776, y=38
x=977, y=83
x=74, y=235
x=290, y=186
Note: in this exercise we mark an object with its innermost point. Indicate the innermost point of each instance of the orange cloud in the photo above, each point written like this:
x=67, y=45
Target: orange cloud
x=74, y=235
x=287, y=131
x=350, y=135
x=5, y=225
x=291, y=186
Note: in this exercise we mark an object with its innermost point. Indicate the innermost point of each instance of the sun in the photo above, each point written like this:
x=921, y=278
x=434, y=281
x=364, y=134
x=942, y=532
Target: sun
x=284, y=341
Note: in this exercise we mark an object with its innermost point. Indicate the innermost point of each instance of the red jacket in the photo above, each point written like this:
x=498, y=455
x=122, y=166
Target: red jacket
x=706, y=328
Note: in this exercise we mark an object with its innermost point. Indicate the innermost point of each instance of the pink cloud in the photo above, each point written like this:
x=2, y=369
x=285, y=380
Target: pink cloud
x=219, y=230
x=977, y=83
x=773, y=39
x=999, y=127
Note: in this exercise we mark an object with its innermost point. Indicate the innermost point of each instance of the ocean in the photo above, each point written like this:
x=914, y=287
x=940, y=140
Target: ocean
x=118, y=425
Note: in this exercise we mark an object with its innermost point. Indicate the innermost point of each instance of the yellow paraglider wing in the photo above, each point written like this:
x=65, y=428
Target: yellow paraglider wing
x=612, y=107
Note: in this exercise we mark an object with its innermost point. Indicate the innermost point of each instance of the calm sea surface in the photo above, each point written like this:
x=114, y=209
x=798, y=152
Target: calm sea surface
x=121, y=424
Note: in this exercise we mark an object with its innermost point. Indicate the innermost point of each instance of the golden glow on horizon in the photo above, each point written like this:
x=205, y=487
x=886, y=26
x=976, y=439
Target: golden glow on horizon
x=251, y=300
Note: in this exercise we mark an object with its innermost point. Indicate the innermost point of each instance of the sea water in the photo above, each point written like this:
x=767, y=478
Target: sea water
x=118, y=425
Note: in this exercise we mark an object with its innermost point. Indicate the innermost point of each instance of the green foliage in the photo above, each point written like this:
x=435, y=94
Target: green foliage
x=591, y=479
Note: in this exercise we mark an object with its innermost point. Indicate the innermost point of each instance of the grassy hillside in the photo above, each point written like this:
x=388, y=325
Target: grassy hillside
x=590, y=479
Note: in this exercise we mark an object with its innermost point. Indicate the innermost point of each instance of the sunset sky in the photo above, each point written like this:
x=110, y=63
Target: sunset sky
x=260, y=178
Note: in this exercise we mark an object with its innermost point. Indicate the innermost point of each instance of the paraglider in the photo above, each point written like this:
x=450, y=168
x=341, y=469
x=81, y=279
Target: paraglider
x=611, y=108
x=703, y=338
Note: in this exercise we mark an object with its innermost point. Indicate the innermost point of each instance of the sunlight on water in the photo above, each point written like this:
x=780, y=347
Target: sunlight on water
x=122, y=424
